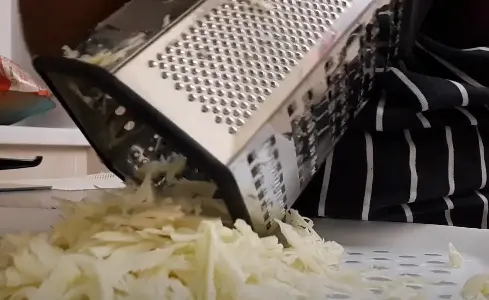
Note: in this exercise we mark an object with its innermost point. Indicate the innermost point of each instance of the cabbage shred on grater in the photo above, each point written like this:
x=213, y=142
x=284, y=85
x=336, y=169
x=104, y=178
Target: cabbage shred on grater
x=253, y=94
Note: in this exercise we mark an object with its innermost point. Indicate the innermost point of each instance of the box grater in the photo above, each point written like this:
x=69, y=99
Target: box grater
x=253, y=94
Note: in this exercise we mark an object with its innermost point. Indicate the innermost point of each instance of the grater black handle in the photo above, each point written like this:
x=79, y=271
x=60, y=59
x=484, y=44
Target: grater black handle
x=62, y=74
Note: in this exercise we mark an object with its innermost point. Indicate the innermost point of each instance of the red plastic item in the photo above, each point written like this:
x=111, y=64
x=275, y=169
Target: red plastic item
x=14, y=79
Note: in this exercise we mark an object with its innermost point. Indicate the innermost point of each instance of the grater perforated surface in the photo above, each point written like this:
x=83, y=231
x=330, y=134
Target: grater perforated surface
x=233, y=58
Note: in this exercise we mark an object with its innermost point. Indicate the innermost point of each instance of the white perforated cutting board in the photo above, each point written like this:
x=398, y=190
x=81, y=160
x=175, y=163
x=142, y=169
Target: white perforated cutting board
x=415, y=251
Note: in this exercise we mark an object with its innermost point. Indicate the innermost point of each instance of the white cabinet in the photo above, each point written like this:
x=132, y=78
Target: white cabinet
x=66, y=152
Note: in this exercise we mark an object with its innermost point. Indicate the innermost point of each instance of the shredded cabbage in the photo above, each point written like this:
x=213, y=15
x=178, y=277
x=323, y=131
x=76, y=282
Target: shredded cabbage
x=477, y=287
x=139, y=244
x=456, y=259
x=107, y=57
x=261, y=4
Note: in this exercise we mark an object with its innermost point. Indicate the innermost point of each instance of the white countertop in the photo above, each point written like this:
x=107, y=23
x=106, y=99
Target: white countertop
x=24, y=135
x=33, y=211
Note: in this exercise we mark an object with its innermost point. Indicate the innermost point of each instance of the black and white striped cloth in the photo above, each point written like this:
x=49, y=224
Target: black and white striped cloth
x=419, y=152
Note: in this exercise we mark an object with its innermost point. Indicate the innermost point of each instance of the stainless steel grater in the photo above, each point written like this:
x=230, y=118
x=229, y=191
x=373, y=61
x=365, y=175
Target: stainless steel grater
x=254, y=94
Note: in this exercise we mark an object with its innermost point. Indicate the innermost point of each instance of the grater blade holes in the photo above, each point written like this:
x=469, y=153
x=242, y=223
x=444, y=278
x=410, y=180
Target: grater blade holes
x=251, y=48
x=120, y=110
x=129, y=126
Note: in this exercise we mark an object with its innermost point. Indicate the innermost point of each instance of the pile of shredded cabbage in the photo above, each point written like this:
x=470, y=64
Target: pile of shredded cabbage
x=142, y=245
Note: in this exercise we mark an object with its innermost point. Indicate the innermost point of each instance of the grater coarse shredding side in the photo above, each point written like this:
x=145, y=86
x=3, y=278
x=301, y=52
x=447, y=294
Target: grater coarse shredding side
x=253, y=94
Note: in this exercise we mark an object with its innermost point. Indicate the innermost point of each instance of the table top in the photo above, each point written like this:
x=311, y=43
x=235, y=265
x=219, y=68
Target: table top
x=36, y=211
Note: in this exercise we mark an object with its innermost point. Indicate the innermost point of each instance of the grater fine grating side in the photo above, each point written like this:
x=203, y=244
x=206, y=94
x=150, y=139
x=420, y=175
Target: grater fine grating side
x=253, y=94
